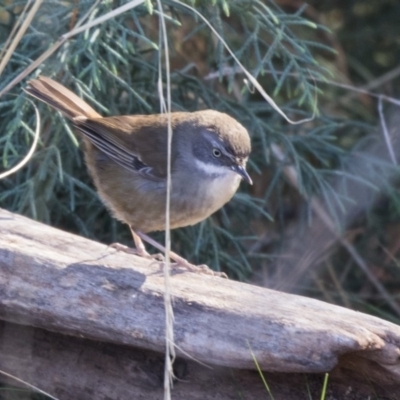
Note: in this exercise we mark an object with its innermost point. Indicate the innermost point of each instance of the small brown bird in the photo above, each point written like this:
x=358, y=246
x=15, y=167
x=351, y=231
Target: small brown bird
x=127, y=159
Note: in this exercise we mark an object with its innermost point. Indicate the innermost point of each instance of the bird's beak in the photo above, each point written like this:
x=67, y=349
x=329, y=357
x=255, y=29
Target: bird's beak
x=239, y=169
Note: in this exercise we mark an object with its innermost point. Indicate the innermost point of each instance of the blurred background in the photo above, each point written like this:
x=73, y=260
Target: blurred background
x=323, y=216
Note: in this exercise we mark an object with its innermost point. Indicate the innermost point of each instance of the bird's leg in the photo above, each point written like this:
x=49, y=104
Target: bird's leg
x=140, y=249
x=180, y=261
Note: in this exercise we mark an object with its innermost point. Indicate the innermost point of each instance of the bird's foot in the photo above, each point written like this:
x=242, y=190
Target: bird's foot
x=179, y=262
x=137, y=252
x=199, y=269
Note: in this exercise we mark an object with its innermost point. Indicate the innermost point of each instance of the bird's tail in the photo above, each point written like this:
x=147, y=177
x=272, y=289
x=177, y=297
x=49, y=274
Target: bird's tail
x=60, y=98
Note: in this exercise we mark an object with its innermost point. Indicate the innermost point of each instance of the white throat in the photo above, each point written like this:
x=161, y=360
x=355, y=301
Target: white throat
x=212, y=169
x=219, y=188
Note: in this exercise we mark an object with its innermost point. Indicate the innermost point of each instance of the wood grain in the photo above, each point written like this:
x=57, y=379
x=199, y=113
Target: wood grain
x=64, y=283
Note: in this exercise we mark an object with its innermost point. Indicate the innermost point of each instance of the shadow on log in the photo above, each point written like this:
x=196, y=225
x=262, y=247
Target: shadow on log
x=57, y=288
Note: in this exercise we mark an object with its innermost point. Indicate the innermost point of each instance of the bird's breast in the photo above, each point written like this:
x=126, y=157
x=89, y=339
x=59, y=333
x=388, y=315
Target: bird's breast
x=195, y=199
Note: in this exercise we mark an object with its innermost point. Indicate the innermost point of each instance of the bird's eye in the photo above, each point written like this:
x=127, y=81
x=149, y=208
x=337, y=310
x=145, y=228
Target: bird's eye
x=216, y=153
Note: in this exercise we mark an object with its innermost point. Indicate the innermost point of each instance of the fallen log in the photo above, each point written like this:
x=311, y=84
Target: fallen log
x=55, y=281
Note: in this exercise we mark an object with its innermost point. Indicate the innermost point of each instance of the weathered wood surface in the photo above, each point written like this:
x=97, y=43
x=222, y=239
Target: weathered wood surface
x=72, y=368
x=64, y=283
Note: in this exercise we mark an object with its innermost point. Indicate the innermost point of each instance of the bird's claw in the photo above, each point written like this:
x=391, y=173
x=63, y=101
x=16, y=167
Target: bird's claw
x=137, y=252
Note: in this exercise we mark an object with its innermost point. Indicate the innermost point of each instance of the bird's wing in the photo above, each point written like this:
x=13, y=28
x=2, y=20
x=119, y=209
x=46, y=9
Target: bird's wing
x=137, y=143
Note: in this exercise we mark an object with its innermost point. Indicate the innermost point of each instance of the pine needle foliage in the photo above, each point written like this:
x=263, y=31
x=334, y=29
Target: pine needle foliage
x=114, y=66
